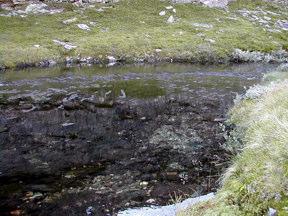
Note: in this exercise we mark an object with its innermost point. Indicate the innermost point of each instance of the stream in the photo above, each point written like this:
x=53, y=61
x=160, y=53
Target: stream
x=96, y=140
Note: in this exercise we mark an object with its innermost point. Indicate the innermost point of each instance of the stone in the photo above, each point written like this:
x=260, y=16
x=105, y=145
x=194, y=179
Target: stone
x=171, y=19
x=122, y=94
x=162, y=13
x=169, y=7
x=84, y=27
x=68, y=21
x=150, y=201
x=90, y=210
x=36, y=8
x=203, y=25
x=67, y=46
x=67, y=124
x=272, y=212
x=144, y=184
x=111, y=59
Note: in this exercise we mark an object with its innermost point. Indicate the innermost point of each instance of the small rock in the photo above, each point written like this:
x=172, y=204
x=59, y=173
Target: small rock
x=36, y=195
x=111, y=59
x=174, y=10
x=100, y=10
x=67, y=46
x=272, y=212
x=70, y=20
x=144, y=184
x=203, y=25
x=84, y=27
x=36, y=8
x=36, y=45
x=67, y=124
x=158, y=50
x=171, y=19
x=169, y=7
x=162, y=13
x=210, y=40
x=150, y=201
x=123, y=94
x=90, y=210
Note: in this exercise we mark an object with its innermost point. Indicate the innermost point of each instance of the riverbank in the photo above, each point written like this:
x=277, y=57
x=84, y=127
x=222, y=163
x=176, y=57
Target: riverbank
x=256, y=183
x=142, y=31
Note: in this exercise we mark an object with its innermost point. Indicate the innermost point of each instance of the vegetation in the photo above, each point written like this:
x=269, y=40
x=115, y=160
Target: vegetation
x=133, y=30
x=258, y=178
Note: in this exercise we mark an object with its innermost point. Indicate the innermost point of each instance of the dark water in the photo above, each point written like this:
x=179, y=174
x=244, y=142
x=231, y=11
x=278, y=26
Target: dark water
x=112, y=138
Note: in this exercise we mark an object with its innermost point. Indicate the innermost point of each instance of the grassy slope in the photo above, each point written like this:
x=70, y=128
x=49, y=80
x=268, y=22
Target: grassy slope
x=258, y=178
x=135, y=30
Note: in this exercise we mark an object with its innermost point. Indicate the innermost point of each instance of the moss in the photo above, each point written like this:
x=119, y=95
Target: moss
x=133, y=29
x=257, y=178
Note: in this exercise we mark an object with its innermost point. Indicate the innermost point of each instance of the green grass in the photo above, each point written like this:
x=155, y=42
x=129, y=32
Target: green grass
x=258, y=177
x=133, y=29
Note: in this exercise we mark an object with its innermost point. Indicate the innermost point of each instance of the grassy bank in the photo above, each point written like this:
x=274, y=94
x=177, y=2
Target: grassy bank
x=257, y=181
x=133, y=30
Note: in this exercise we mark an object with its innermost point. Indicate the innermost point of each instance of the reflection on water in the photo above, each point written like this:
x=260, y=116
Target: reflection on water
x=136, y=81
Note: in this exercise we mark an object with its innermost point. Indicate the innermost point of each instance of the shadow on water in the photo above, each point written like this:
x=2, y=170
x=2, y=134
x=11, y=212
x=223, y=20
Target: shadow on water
x=113, y=137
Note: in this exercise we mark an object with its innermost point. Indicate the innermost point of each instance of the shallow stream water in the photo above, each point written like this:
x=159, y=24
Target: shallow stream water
x=98, y=139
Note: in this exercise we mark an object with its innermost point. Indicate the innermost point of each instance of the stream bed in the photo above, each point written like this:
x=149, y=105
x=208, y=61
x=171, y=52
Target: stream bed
x=96, y=140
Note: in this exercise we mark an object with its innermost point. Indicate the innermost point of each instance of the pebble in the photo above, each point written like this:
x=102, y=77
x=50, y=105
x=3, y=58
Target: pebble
x=150, y=201
x=84, y=27
x=272, y=212
x=144, y=183
x=68, y=21
x=162, y=13
x=171, y=19
x=67, y=46
x=90, y=210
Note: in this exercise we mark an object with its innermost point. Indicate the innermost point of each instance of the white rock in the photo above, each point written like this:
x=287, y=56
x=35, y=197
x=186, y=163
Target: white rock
x=158, y=50
x=122, y=94
x=68, y=21
x=67, y=124
x=111, y=59
x=100, y=10
x=162, y=13
x=169, y=7
x=203, y=25
x=84, y=27
x=171, y=19
x=144, y=183
x=67, y=46
x=36, y=45
x=36, y=8
x=272, y=212
x=174, y=10
x=150, y=201
x=210, y=40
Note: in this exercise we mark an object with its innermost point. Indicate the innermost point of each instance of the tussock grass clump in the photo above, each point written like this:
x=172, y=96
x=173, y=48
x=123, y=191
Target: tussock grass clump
x=258, y=177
